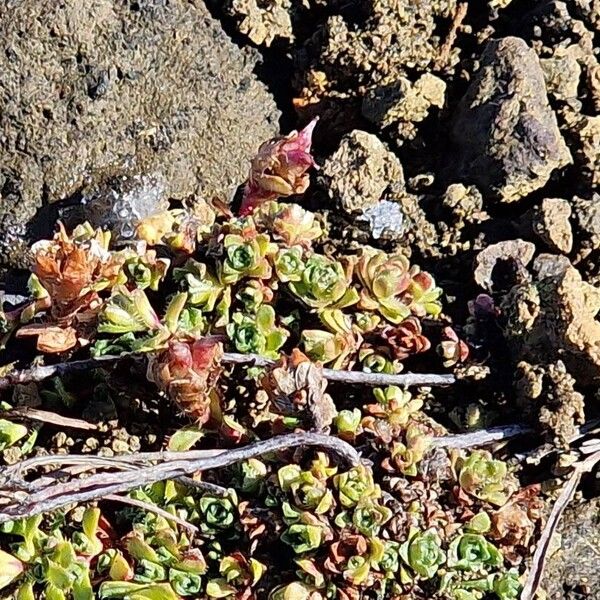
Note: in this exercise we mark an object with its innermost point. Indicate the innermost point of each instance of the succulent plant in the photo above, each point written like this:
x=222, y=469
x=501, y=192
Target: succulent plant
x=338, y=345
x=392, y=413
x=238, y=576
x=188, y=371
x=253, y=294
x=257, y=334
x=484, y=477
x=203, y=288
x=289, y=223
x=217, y=513
x=422, y=553
x=289, y=264
x=385, y=279
x=354, y=485
x=279, y=169
x=143, y=269
x=369, y=516
x=472, y=552
x=246, y=255
x=452, y=349
x=304, y=536
x=325, y=283
x=128, y=312
x=422, y=295
x=406, y=339
x=309, y=492
x=49, y=562
x=405, y=456
x=348, y=423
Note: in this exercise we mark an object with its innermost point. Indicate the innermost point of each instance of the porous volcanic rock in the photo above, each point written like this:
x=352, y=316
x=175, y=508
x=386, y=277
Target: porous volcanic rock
x=147, y=88
x=551, y=223
x=506, y=133
x=360, y=171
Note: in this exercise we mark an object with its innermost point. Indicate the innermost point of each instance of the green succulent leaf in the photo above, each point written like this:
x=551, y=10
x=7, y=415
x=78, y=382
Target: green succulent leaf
x=422, y=552
x=10, y=433
x=185, y=583
x=10, y=568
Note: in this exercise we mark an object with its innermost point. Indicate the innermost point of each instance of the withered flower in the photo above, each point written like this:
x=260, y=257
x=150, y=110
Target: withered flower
x=72, y=270
x=406, y=338
x=188, y=371
x=280, y=168
x=297, y=386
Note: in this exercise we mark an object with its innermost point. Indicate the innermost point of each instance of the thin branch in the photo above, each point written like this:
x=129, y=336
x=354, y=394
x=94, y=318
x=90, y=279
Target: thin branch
x=151, y=508
x=459, y=16
x=99, y=485
x=204, y=486
x=539, y=558
x=481, y=437
x=52, y=418
x=40, y=373
x=37, y=374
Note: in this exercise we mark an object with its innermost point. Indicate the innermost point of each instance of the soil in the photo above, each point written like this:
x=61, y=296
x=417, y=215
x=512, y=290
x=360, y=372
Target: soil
x=481, y=130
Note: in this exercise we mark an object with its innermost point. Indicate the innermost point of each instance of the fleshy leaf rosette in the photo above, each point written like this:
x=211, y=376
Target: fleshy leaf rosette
x=188, y=371
x=280, y=168
x=385, y=278
x=406, y=338
x=422, y=552
x=325, y=283
x=288, y=223
x=246, y=255
x=484, y=477
x=395, y=289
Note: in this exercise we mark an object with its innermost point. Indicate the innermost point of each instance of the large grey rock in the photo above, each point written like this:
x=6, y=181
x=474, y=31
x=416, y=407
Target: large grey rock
x=94, y=89
x=505, y=130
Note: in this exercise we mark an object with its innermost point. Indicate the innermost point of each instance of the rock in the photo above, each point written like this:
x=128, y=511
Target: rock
x=572, y=570
x=403, y=101
x=149, y=88
x=551, y=224
x=465, y=203
x=586, y=214
x=546, y=393
x=507, y=135
x=517, y=251
x=554, y=317
x=550, y=265
x=570, y=306
x=343, y=60
x=561, y=74
x=585, y=134
x=358, y=174
x=263, y=22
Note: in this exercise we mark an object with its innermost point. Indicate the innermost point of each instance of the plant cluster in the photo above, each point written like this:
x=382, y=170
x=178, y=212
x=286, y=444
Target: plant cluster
x=325, y=532
x=411, y=521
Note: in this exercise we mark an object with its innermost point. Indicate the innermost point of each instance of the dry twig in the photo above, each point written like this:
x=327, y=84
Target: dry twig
x=481, y=437
x=539, y=558
x=151, y=508
x=26, y=499
x=45, y=416
x=459, y=16
x=37, y=374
